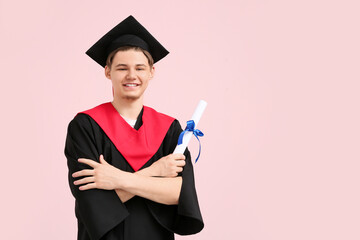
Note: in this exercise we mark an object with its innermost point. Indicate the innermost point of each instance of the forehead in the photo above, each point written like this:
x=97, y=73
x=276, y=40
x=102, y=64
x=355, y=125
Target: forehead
x=130, y=56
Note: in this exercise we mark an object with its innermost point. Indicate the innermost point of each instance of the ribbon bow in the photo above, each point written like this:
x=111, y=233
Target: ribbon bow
x=190, y=127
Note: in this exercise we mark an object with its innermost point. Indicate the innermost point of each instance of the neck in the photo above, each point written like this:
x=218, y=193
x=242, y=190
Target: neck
x=128, y=108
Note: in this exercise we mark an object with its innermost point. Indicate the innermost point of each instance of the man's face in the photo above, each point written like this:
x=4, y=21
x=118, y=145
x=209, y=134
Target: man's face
x=130, y=74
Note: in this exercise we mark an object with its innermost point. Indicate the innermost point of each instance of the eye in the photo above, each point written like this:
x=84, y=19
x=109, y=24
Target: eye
x=140, y=69
x=121, y=69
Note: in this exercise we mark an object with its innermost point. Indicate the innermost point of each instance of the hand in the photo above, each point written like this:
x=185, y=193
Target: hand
x=169, y=166
x=102, y=176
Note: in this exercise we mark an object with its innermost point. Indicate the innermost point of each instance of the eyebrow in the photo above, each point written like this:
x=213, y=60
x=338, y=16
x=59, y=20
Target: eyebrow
x=125, y=65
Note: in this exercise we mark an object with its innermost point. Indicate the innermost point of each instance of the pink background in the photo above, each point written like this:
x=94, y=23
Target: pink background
x=280, y=157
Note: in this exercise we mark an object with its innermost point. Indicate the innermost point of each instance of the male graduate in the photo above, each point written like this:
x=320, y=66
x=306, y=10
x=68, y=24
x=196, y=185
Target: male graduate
x=126, y=182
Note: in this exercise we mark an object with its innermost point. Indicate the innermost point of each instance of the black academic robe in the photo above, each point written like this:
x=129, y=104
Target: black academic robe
x=102, y=215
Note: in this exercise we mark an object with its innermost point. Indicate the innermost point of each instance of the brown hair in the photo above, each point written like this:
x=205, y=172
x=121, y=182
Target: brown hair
x=125, y=48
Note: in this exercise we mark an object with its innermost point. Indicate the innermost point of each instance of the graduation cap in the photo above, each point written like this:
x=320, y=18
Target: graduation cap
x=129, y=32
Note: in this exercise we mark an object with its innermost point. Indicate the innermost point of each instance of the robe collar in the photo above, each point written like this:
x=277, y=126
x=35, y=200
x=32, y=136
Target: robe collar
x=138, y=144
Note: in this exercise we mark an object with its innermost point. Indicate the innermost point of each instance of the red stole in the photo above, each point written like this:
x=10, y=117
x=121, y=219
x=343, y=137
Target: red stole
x=136, y=146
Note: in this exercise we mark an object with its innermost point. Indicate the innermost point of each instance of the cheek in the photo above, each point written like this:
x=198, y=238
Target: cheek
x=117, y=76
x=146, y=80
x=147, y=76
x=115, y=81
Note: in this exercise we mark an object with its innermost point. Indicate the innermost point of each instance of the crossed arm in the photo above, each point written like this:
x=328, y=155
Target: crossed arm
x=159, y=182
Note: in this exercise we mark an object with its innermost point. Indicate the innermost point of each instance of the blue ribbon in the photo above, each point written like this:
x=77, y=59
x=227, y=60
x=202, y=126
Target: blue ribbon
x=190, y=127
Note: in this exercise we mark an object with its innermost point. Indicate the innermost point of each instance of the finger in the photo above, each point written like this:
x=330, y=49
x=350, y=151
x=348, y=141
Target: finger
x=180, y=163
x=85, y=172
x=179, y=169
x=87, y=186
x=102, y=160
x=84, y=180
x=179, y=156
x=89, y=162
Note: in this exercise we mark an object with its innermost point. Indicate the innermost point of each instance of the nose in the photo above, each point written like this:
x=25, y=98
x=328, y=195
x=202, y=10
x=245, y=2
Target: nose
x=131, y=74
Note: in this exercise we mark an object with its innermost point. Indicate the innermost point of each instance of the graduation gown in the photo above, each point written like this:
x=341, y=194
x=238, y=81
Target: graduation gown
x=100, y=213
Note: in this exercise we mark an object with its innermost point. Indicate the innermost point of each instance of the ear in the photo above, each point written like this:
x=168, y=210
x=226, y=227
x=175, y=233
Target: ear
x=107, y=72
x=152, y=72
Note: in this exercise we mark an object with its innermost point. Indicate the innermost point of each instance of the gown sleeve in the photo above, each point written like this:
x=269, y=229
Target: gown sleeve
x=99, y=210
x=184, y=218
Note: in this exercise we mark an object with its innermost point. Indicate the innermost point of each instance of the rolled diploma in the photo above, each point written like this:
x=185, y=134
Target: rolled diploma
x=187, y=135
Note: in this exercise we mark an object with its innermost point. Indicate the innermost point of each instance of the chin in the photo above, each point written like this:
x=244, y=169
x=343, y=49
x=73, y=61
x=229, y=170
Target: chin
x=131, y=97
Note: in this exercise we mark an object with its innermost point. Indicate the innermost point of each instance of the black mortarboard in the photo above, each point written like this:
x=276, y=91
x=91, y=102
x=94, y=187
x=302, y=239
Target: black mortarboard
x=127, y=33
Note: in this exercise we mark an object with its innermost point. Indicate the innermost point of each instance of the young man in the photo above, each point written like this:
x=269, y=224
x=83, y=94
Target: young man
x=122, y=173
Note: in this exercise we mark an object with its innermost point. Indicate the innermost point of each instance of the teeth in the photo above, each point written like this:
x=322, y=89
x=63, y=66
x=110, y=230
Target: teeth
x=131, y=85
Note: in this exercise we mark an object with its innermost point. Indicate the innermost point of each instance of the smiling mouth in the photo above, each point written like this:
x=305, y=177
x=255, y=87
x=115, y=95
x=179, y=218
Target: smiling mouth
x=131, y=85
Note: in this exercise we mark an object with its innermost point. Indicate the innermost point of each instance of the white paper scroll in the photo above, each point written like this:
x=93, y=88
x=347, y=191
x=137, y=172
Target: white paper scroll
x=196, y=118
